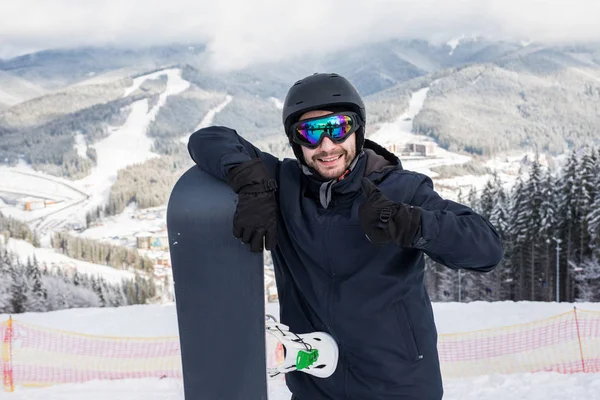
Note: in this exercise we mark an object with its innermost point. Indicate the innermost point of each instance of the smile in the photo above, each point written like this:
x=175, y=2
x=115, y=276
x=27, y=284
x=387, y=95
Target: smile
x=330, y=159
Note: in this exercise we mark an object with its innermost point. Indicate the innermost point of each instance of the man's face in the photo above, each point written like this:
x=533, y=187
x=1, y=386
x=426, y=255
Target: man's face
x=330, y=159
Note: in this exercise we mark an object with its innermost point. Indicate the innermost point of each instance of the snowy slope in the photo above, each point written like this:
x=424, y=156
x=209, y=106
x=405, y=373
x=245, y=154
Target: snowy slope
x=209, y=117
x=128, y=144
x=400, y=131
x=161, y=320
x=540, y=386
x=51, y=258
x=14, y=90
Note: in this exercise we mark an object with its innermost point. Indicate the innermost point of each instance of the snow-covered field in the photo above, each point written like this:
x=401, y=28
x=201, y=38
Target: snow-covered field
x=161, y=320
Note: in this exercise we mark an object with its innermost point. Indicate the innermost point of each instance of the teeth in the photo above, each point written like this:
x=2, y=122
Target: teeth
x=330, y=159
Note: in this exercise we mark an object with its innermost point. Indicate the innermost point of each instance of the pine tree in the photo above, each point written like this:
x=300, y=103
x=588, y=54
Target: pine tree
x=548, y=230
x=533, y=193
x=5, y=282
x=593, y=218
x=488, y=198
x=37, y=295
x=588, y=280
x=519, y=225
x=97, y=287
x=19, y=288
x=568, y=223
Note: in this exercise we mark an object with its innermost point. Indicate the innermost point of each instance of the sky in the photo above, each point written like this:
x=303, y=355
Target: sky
x=240, y=32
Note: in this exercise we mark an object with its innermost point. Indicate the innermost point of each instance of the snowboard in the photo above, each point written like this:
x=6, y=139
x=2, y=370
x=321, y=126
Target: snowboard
x=219, y=293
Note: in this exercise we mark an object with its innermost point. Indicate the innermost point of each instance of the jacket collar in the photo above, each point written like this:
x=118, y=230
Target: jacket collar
x=373, y=161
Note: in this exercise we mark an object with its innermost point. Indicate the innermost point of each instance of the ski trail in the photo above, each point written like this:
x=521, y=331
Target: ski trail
x=208, y=118
x=396, y=134
x=401, y=128
x=210, y=115
x=172, y=73
x=125, y=145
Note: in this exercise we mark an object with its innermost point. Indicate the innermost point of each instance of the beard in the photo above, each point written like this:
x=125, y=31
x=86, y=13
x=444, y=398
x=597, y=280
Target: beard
x=331, y=169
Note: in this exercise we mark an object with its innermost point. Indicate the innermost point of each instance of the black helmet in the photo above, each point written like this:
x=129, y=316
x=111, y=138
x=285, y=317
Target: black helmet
x=322, y=91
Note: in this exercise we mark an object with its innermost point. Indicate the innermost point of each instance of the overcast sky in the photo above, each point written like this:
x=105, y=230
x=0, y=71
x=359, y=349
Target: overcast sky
x=239, y=32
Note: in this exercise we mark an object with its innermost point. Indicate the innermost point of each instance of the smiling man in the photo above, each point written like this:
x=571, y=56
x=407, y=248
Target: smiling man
x=348, y=229
x=330, y=159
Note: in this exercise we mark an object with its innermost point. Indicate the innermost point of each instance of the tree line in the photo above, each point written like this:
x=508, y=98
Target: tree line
x=31, y=287
x=547, y=220
x=119, y=257
x=10, y=227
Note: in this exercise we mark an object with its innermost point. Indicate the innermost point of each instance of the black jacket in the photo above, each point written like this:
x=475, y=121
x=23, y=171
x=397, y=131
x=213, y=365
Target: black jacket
x=330, y=278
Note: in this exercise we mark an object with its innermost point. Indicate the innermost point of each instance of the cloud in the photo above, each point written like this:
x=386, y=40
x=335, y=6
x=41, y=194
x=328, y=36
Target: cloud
x=240, y=32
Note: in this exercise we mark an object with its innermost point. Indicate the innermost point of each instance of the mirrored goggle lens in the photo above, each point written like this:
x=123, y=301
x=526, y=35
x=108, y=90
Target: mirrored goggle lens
x=336, y=126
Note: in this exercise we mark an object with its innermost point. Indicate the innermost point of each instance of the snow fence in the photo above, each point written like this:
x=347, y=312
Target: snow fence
x=37, y=356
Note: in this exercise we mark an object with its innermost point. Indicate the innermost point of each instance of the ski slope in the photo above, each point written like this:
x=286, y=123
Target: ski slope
x=161, y=320
x=208, y=118
x=400, y=131
x=125, y=145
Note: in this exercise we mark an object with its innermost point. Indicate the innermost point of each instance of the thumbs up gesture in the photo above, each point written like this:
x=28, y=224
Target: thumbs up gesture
x=385, y=221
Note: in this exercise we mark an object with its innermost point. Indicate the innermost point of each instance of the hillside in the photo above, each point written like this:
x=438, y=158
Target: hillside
x=540, y=99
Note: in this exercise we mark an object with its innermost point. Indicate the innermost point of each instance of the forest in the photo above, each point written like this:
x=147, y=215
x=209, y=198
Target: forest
x=549, y=220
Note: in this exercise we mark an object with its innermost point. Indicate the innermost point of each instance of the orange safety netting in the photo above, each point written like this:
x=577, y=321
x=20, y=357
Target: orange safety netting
x=37, y=356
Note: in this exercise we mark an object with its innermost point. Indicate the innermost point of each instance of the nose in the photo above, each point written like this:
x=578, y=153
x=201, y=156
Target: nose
x=327, y=145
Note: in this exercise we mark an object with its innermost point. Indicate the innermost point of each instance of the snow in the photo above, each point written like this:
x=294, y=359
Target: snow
x=540, y=386
x=23, y=180
x=80, y=145
x=161, y=320
x=176, y=83
x=209, y=117
x=8, y=98
x=399, y=132
x=126, y=145
x=51, y=258
x=128, y=223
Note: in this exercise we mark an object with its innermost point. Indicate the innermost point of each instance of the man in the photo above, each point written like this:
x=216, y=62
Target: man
x=348, y=228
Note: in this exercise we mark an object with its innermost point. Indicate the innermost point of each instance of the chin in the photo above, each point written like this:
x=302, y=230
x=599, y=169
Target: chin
x=331, y=173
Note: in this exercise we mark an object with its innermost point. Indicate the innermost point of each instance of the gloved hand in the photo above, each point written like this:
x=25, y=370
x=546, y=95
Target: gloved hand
x=255, y=217
x=385, y=221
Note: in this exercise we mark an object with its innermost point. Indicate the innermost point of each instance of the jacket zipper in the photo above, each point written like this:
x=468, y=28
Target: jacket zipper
x=419, y=355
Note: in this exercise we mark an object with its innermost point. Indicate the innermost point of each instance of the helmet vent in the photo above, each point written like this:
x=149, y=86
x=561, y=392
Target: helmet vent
x=336, y=95
x=299, y=102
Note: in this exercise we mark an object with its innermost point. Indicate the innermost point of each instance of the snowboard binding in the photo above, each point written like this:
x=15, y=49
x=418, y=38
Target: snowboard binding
x=313, y=353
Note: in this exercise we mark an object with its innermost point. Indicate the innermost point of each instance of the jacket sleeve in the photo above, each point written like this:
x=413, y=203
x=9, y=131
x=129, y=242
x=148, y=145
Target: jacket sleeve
x=216, y=149
x=453, y=234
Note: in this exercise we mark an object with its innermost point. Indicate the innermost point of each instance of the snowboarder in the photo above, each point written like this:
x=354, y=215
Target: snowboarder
x=348, y=228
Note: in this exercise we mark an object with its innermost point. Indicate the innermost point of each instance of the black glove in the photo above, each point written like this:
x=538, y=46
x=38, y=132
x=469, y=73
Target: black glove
x=384, y=221
x=255, y=217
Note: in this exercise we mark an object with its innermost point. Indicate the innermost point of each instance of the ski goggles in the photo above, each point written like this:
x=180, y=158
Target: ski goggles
x=337, y=127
